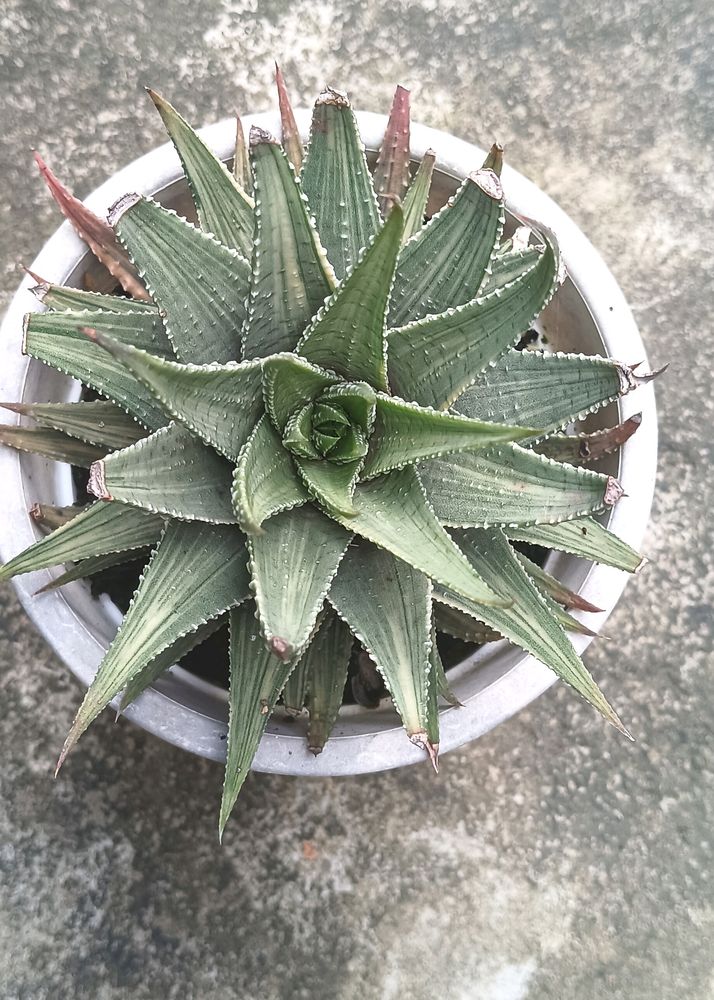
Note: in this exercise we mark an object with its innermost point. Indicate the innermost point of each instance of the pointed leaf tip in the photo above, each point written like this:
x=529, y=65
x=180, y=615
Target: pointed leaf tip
x=613, y=492
x=292, y=142
x=260, y=135
x=422, y=741
x=489, y=182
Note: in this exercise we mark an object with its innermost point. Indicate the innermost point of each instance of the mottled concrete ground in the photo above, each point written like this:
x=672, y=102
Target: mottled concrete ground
x=550, y=860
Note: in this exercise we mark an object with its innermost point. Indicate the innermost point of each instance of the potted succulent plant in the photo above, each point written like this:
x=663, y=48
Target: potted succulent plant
x=314, y=412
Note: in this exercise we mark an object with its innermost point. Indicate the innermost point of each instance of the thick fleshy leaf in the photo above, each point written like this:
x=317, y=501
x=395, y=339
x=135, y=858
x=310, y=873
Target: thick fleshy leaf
x=348, y=334
x=293, y=562
x=508, y=485
x=241, y=163
x=223, y=207
x=74, y=354
x=546, y=390
x=417, y=196
x=435, y=359
x=289, y=382
x=579, y=449
x=196, y=573
x=337, y=182
x=291, y=277
x=265, y=480
x=444, y=265
x=219, y=403
x=97, y=530
x=295, y=690
x=331, y=484
x=456, y=623
x=63, y=298
x=392, y=512
x=584, y=537
x=528, y=623
x=103, y=424
x=256, y=680
x=96, y=234
x=199, y=284
x=141, y=328
x=166, y=659
x=558, y=591
x=508, y=267
x=405, y=433
x=387, y=605
x=170, y=472
x=391, y=173
x=86, y=568
x=326, y=660
x=494, y=159
x=51, y=444
x=289, y=134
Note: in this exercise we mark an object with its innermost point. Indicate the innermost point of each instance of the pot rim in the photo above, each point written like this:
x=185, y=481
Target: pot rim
x=509, y=679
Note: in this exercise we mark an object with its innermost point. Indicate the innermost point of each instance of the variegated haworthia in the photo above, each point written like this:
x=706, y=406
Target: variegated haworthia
x=317, y=421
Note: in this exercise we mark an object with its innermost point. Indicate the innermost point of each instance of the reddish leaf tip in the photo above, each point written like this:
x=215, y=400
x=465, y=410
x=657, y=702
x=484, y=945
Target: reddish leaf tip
x=279, y=647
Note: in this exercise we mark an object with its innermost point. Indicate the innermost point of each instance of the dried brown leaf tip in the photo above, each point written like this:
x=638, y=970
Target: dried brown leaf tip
x=292, y=143
x=260, y=135
x=97, y=234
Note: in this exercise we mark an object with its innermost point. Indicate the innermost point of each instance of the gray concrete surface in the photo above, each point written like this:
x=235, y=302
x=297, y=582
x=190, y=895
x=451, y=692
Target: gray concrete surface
x=551, y=859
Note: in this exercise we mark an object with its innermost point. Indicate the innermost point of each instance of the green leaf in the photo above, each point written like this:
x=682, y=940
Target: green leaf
x=554, y=588
x=348, y=335
x=171, y=472
x=293, y=563
x=219, y=403
x=462, y=626
x=337, y=183
x=196, y=573
x=392, y=512
x=435, y=359
x=441, y=683
x=96, y=234
x=444, y=265
x=326, y=661
x=199, y=285
x=584, y=537
x=508, y=485
x=579, y=449
x=223, y=207
x=387, y=605
x=97, y=530
x=417, y=196
x=51, y=444
x=103, y=424
x=256, y=680
x=332, y=485
x=506, y=268
x=528, y=623
x=166, y=659
x=295, y=690
x=289, y=135
x=289, y=383
x=546, y=390
x=391, y=172
x=265, y=480
x=139, y=327
x=290, y=275
x=64, y=298
x=89, y=567
x=405, y=433
x=76, y=355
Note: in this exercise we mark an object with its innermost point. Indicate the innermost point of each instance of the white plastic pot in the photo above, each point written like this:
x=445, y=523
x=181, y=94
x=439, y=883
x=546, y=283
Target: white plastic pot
x=588, y=314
